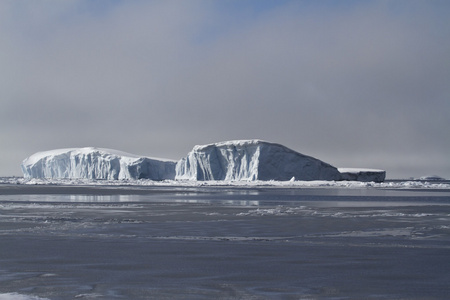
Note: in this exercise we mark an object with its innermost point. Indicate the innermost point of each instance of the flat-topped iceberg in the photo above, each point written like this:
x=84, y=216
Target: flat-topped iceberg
x=359, y=174
x=251, y=160
x=230, y=161
x=96, y=163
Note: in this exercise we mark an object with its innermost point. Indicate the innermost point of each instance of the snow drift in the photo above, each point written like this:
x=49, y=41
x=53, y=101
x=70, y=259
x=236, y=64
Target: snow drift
x=95, y=163
x=251, y=160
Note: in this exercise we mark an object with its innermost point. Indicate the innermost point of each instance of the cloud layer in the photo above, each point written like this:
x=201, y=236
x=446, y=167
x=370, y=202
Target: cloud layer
x=360, y=84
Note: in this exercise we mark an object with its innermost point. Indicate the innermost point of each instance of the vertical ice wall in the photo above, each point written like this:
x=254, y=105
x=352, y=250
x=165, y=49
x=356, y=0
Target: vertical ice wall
x=251, y=160
x=93, y=163
x=232, y=160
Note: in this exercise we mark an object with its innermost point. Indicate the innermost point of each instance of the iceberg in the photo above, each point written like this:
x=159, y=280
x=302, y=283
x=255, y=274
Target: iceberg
x=96, y=163
x=432, y=178
x=240, y=160
x=251, y=160
x=365, y=175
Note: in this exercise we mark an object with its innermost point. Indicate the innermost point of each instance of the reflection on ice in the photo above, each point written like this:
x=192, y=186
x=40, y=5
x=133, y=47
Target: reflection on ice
x=66, y=198
x=408, y=231
x=99, y=198
x=221, y=202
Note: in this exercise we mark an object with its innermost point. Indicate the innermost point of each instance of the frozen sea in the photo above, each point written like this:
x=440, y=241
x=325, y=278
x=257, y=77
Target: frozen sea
x=168, y=241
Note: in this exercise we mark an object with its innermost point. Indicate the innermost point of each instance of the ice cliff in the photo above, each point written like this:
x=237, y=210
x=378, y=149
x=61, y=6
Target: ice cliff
x=232, y=160
x=251, y=160
x=95, y=163
x=358, y=174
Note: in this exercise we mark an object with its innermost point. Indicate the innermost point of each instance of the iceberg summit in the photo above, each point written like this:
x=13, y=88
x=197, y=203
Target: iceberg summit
x=230, y=161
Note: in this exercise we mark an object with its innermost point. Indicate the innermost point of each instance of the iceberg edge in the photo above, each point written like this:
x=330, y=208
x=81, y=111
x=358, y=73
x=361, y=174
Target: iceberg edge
x=240, y=160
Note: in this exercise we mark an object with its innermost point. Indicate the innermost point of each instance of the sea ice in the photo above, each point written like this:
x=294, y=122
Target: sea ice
x=16, y=296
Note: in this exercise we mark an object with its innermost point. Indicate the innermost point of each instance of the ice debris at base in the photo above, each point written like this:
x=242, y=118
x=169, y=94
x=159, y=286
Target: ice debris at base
x=244, y=160
x=95, y=163
x=186, y=184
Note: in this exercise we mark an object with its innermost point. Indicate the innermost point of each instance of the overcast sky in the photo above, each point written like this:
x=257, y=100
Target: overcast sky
x=353, y=83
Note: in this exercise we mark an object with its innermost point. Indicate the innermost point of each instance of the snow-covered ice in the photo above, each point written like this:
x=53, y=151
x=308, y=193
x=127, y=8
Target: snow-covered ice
x=240, y=160
x=96, y=163
x=398, y=184
x=251, y=160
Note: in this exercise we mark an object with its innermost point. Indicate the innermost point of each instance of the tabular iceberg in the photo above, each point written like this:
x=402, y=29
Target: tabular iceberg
x=232, y=160
x=358, y=174
x=251, y=160
x=95, y=163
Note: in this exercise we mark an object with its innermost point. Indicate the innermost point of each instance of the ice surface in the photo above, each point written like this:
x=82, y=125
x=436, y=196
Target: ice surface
x=224, y=243
x=357, y=174
x=240, y=160
x=16, y=296
x=96, y=163
x=432, y=177
x=251, y=160
x=406, y=184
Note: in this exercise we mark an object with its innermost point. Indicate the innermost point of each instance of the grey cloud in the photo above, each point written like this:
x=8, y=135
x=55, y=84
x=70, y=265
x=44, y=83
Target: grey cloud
x=364, y=86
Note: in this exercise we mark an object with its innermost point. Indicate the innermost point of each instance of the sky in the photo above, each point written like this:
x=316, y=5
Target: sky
x=353, y=83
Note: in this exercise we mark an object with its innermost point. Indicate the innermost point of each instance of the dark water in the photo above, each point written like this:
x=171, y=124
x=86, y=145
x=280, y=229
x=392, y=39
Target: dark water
x=224, y=243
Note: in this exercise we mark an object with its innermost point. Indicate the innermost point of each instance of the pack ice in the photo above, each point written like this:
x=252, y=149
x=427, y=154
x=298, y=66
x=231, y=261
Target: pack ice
x=96, y=163
x=231, y=160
